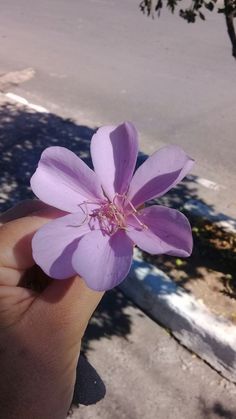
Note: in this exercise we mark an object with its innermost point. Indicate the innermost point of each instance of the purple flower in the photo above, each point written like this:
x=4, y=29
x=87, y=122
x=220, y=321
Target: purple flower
x=104, y=215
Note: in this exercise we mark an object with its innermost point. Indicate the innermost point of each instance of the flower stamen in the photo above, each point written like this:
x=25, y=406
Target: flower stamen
x=133, y=212
x=111, y=216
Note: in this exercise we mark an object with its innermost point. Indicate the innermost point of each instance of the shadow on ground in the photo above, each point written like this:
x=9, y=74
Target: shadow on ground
x=217, y=410
x=110, y=319
x=24, y=134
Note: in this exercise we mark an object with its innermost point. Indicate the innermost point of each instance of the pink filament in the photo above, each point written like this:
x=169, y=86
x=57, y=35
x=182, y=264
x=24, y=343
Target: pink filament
x=111, y=215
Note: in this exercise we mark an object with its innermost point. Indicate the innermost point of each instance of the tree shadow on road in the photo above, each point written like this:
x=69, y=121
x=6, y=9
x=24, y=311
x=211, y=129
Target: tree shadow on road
x=109, y=320
x=217, y=410
x=24, y=134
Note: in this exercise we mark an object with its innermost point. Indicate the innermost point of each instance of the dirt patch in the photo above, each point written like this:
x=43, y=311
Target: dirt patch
x=210, y=272
x=14, y=78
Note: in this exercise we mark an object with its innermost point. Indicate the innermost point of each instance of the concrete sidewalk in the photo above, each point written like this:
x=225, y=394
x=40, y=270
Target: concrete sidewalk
x=147, y=374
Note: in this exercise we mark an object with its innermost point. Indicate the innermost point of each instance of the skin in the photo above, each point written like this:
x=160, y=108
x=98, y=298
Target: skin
x=42, y=322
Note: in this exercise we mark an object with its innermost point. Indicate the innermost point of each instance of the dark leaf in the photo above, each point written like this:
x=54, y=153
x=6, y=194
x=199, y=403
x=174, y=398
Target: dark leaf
x=159, y=5
x=188, y=14
x=221, y=10
x=209, y=6
x=201, y=15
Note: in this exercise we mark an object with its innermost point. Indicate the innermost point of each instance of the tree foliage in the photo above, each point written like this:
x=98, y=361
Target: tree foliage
x=195, y=10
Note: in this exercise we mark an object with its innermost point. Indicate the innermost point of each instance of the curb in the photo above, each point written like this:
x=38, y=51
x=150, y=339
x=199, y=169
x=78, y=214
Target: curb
x=211, y=337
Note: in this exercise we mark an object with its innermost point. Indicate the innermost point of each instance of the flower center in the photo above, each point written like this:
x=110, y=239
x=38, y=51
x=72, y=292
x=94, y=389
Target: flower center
x=110, y=217
x=119, y=214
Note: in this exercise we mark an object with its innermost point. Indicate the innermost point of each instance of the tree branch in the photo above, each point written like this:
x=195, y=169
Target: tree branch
x=229, y=16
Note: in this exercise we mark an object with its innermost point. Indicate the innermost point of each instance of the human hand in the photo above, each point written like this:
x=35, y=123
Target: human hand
x=42, y=322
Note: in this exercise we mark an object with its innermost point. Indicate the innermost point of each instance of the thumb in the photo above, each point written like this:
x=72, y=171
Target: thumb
x=64, y=303
x=67, y=304
x=59, y=317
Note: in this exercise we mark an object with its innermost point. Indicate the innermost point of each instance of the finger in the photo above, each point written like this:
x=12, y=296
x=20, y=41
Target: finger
x=22, y=209
x=16, y=236
x=72, y=297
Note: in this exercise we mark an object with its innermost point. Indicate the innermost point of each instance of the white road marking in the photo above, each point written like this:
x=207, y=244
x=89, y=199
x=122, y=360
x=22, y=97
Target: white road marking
x=25, y=102
x=16, y=98
x=38, y=108
x=209, y=184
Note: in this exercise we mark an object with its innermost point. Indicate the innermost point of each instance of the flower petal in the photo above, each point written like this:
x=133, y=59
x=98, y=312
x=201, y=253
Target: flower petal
x=64, y=181
x=103, y=261
x=54, y=244
x=158, y=174
x=168, y=231
x=114, y=153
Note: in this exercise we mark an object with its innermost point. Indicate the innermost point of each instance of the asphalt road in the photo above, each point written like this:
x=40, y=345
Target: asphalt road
x=102, y=61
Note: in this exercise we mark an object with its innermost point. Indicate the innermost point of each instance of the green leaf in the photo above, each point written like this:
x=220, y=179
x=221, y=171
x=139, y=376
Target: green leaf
x=179, y=262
